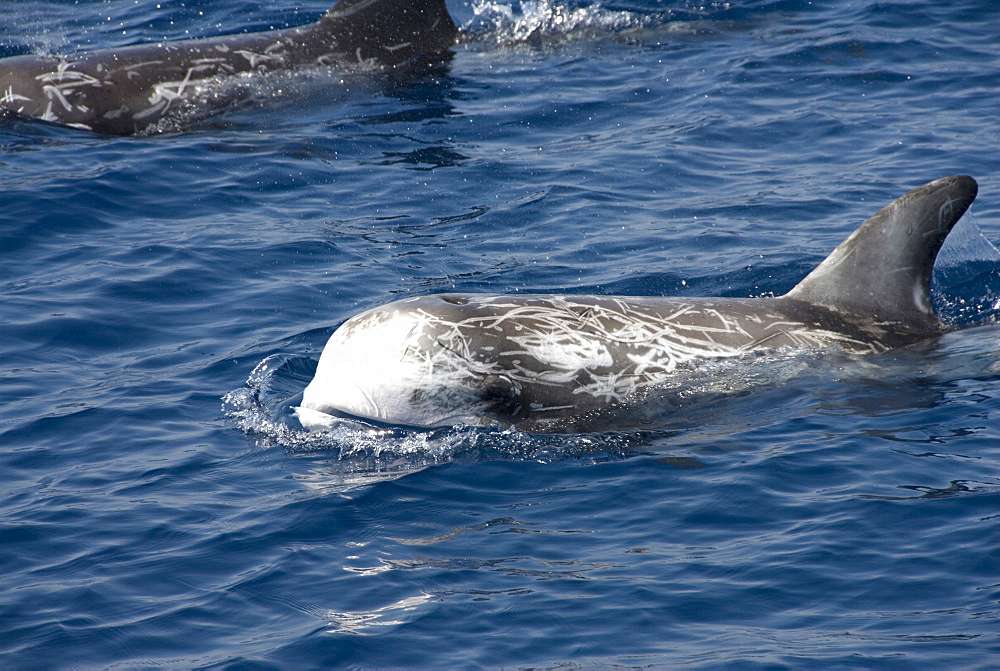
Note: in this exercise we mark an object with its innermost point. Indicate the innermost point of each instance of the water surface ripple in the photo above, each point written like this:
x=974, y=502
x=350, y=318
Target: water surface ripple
x=162, y=296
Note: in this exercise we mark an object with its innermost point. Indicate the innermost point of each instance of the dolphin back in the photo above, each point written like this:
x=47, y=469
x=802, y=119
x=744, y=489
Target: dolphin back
x=393, y=30
x=880, y=275
x=131, y=89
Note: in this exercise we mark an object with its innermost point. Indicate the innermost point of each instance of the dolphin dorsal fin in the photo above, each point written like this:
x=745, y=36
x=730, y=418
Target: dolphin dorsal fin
x=881, y=274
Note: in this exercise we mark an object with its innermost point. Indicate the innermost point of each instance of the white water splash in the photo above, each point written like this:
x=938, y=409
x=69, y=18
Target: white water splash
x=501, y=24
x=966, y=243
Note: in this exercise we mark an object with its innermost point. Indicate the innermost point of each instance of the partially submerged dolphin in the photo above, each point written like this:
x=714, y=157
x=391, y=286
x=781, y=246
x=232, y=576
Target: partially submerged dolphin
x=129, y=90
x=539, y=362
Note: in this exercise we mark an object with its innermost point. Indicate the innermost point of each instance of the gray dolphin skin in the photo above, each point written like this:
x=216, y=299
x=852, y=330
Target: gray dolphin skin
x=539, y=362
x=129, y=90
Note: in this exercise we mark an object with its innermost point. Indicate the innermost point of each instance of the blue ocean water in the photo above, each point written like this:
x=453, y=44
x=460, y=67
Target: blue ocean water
x=162, y=296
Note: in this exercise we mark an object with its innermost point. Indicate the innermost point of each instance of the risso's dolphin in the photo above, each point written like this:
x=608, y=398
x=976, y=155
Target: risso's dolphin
x=539, y=361
x=129, y=90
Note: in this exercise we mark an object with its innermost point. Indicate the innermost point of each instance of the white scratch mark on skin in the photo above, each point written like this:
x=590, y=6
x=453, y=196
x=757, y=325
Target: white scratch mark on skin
x=166, y=93
x=144, y=64
x=59, y=86
x=131, y=70
x=154, y=108
x=10, y=97
x=116, y=113
x=65, y=76
x=329, y=59
x=47, y=115
x=256, y=59
x=54, y=93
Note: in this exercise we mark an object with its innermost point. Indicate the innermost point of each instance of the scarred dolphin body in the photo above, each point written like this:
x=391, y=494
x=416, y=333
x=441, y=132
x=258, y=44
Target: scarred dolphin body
x=130, y=90
x=541, y=362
